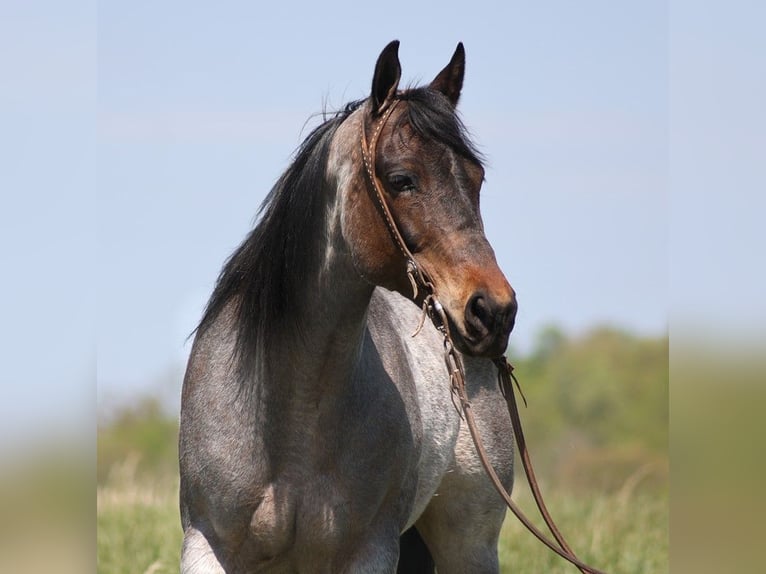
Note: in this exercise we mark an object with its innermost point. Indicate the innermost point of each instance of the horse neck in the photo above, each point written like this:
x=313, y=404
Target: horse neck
x=316, y=357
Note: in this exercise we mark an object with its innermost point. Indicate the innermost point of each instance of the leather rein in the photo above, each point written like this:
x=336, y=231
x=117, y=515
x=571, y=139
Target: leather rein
x=420, y=279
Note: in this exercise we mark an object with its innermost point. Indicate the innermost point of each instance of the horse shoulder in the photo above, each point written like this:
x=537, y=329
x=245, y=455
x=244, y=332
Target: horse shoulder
x=417, y=369
x=215, y=438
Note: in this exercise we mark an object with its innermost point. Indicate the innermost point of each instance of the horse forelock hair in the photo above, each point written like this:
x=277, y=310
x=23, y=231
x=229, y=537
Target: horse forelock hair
x=433, y=117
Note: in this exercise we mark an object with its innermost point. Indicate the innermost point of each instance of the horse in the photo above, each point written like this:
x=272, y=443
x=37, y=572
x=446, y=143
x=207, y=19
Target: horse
x=317, y=433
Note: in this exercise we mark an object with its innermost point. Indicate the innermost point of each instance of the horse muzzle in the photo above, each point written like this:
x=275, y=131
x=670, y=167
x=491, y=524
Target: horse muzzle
x=486, y=324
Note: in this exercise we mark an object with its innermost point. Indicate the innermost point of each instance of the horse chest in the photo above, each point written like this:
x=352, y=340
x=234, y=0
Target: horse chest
x=272, y=525
x=302, y=523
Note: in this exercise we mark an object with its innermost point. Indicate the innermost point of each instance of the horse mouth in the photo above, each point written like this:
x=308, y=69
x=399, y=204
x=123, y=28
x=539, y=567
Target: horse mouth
x=478, y=342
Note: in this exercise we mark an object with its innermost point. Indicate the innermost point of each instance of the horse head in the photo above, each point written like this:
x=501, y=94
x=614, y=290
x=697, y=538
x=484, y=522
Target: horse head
x=430, y=177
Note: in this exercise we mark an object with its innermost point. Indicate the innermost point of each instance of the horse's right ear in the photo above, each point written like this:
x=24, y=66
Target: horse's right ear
x=386, y=78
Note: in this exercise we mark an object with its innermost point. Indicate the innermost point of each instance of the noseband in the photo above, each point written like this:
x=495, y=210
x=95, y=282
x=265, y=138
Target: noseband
x=420, y=280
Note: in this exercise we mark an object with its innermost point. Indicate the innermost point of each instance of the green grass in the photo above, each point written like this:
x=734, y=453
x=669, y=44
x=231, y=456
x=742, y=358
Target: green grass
x=139, y=530
x=620, y=532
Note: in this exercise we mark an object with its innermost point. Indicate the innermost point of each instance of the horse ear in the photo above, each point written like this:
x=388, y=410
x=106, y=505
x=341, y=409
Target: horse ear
x=450, y=80
x=386, y=78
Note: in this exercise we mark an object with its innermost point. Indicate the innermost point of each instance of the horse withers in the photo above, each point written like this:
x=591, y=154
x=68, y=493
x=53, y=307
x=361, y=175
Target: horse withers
x=317, y=434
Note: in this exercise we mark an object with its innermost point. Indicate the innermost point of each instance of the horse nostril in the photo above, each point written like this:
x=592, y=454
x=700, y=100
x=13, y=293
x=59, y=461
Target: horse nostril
x=478, y=315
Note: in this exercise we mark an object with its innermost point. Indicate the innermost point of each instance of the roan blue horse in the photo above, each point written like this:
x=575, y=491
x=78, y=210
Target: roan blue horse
x=317, y=434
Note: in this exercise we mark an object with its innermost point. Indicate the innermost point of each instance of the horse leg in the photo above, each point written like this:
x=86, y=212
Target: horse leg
x=462, y=533
x=461, y=524
x=414, y=556
x=378, y=554
x=197, y=556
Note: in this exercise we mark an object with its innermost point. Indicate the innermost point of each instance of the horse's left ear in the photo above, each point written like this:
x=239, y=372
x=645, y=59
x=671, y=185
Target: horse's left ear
x=450, y=80
x=386, y=78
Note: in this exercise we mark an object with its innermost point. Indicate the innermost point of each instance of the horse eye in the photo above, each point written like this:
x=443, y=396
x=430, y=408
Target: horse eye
x=401, y=182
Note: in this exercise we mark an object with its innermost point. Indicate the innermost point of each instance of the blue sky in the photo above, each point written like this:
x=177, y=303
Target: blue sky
x=200, y=109
x=47, y=219
x=139, y=139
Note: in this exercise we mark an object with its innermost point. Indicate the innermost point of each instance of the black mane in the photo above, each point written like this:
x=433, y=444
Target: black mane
x=262, y=276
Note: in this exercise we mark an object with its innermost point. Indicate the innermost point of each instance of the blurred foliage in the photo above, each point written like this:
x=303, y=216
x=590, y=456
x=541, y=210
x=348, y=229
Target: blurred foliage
x=46, y=501
x=718, y=397
x=139, y=440
x=598, y=406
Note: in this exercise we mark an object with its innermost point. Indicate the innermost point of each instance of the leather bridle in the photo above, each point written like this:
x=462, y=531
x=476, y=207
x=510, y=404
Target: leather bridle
x=420, y=280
